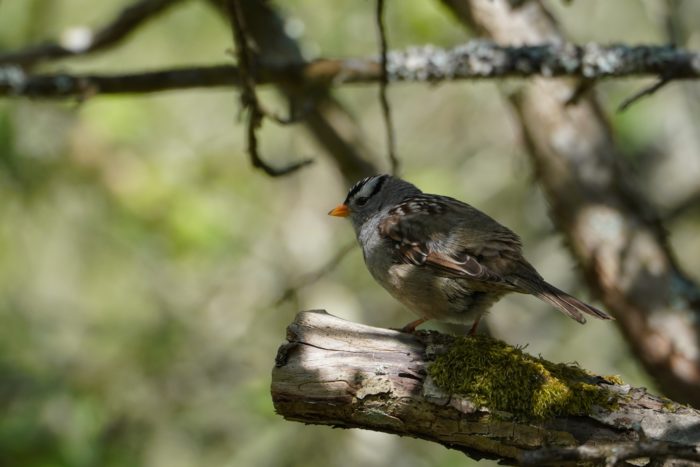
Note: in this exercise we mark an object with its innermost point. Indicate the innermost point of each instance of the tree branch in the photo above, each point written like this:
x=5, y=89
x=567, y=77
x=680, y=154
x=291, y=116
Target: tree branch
x=383, y=84
x=326, y=119
x=312, y=277
x=610, y=227
x=126, y=22
x=689, y=203
x=348, y=375
x=647, y=91
x=14, y=82
x=249, y=98
x=477, y=59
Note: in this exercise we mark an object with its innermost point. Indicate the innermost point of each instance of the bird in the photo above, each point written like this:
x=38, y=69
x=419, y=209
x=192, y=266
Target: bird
x=443, y=259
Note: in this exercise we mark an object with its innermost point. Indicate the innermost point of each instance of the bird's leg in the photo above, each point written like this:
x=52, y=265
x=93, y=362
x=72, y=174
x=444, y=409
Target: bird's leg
x=411, y=327
x=472, y=331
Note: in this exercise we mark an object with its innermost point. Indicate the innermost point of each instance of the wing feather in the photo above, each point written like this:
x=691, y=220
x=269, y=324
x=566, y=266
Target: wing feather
x=449, y=236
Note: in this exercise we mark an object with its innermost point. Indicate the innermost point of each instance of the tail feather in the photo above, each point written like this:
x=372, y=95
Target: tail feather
x=570, y=306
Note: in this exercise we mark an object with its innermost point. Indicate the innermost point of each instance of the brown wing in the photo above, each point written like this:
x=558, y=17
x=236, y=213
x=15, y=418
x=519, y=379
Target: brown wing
x=451, y=237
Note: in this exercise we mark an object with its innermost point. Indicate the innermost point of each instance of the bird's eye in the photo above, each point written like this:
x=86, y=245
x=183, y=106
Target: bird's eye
x=362, y=200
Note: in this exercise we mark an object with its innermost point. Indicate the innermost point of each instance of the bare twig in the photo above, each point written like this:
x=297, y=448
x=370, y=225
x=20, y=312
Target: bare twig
x=243, y=54
x=246, y=60
x=126, y=22
x=383, y=83
x=689, y=203
x=647, y=91
x=330, y=123
x=14, y=82
x=314, y=276
x=254, y=122
x=249, y=98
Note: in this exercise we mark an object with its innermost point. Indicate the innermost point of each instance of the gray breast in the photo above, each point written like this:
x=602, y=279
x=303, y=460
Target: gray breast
x=420, y=288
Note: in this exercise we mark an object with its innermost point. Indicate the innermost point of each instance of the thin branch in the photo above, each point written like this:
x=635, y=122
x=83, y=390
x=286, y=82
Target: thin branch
x=254, y=122
x=647, y=91
x=383, y=83
x=15, y=82
x=126, y=22
x=689, y=203
x=328, y=121
x=474, y=60
x=314, y=276
x=246, y=60
x=249, y=98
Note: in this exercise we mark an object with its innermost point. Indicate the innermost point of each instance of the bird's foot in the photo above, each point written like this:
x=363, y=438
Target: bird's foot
x=472, y=330
x=410, y=328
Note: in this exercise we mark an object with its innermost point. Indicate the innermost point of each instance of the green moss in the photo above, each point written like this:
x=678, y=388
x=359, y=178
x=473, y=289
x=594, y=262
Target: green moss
x=614, y=379
x=504, y=378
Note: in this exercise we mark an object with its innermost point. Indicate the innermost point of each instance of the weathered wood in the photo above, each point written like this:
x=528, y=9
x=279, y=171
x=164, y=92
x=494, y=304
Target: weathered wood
x=344, y=374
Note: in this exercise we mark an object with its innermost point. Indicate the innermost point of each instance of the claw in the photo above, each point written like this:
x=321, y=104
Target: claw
x=410, y=328
x=472, y=330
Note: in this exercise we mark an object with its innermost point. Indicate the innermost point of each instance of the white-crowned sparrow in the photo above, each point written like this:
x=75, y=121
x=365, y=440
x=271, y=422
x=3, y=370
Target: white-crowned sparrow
x=441, y=258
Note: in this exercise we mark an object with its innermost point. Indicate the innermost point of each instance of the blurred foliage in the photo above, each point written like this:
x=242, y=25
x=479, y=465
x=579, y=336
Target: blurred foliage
x=142, y=256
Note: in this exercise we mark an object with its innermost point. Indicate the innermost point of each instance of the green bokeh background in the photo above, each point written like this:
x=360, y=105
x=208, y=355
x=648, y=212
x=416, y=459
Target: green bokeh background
x=142, y=257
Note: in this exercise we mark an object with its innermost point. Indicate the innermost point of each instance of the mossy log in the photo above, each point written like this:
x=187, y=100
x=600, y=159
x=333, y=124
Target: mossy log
x=349, y=375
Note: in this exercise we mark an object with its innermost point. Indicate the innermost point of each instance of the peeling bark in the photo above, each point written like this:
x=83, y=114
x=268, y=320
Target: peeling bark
x=348, y=375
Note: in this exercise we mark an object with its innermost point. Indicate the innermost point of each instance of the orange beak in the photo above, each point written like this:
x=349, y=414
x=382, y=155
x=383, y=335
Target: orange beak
x=340, y=210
